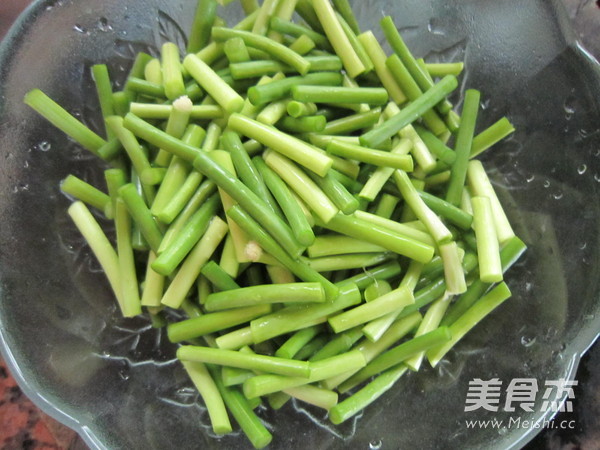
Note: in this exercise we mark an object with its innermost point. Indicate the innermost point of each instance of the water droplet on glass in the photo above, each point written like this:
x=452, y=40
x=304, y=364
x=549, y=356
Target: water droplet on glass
x=103, y=25
x=375, y=444
x=44, y=146
x=485, y=104
x=527, y=341
x=546, y=183
x=569, y=108
x=530, y=178
x=583, y=133
x=557, y=195
x=583, y=246
x=79, y=29
x=597, y=177
x=581, y=169
x=124, y=375
x=435, y=28
x=26, y=165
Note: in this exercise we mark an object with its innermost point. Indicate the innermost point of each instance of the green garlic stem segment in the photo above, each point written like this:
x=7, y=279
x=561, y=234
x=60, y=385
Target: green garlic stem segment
x=300, y=109
x=142, y=216
x=354, y=122
x=210, y=323
x=392, y=301
x=333, y=245
x=263, y=94
x=302, y=185
x=130, y=294
x=265, y=11
x=177, y=174
x=336, y=192
x=61, y=119
x=480, y=185
x=376, y=290
x=444, y=153
x=398, y=355
x=490, y=136
x=267, y=243
x=197, y=197
x=176, y=126
x=386, y=206
x=370, y=350
x=291, y=208
x=368, y=394
x=209, y=392
x=289, y=146
x=235, y=339
x=431, y=321
x=464, y=139
x=442, y=69
x=162, y=112
x=297, y=30
x=376, y=328
x=378, y=57
x=306, y=124
x=293, y=318
x=145, y=88
x=236, y=51
x=453, y=270
x=447, y=210
x=87, y=193
x=360, y=229
x=381, y=175
x=406, y=82
x=488, y=249
x=104, y=92
x=171, y=71
x=356, y=44
x=435, y=226
x=242, y=412
x=302, y=46
x=265, y=294
x=190, y=269
x=254, y=69
x=510, y=253
x=410, y=113
x=418, y=72
x=339, y=94
x=475, y=314
x=383, y=272
x=204, y=18
x=220, y=279
x=246, y=170
x=100, y=245
x=275, y=49
x=296, y=341
x=218, y=89
x=319, y=370
x=366, y=155
x=264, y=363
x=154, y=285
x=349, y=261
x=338, y=344
x=314, y=395
x=338, y=39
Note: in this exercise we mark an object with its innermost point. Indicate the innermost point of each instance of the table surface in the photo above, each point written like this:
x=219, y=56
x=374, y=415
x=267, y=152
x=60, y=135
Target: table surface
x=24, y=426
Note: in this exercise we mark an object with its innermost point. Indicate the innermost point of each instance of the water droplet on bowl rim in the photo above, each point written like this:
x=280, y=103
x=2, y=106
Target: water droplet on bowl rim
x=527, y=341
x=44, y=146
x=581, y=169
x=103, y=25
x=375, y=444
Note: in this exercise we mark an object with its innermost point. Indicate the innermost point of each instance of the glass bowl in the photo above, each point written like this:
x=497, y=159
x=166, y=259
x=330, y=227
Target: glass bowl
x=116, y=381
